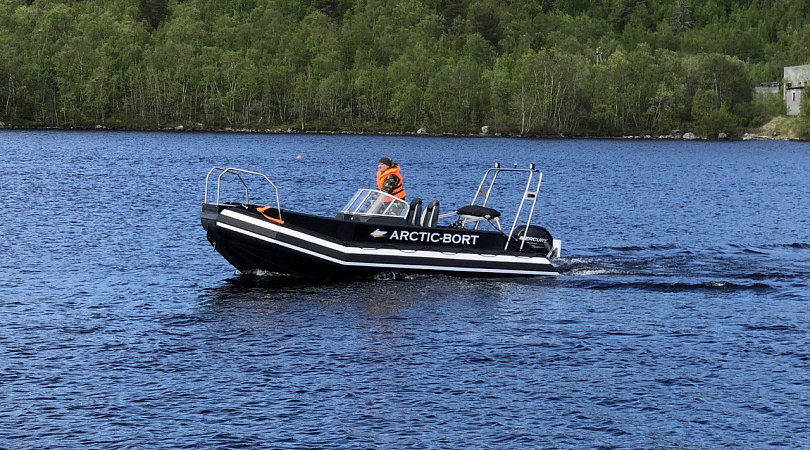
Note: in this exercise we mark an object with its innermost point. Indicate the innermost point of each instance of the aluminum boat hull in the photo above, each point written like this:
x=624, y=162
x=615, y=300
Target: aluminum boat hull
x=343, y=247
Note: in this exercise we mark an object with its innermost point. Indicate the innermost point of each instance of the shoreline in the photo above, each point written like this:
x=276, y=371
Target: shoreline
x=674, y=135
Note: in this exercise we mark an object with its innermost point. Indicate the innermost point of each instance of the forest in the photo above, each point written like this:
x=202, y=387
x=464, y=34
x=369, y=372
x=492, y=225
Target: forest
x=518, y=67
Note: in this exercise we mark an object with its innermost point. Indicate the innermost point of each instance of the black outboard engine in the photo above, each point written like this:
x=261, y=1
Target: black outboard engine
x=537, y=238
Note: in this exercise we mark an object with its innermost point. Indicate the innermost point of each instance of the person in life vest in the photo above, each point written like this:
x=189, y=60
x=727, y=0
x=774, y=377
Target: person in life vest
x=389, y=178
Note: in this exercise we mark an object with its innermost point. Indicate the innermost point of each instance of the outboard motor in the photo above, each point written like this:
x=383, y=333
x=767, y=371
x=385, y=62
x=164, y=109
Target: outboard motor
x=537, y=238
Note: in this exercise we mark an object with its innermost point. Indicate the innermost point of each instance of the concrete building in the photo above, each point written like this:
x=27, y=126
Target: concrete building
x=795, y=80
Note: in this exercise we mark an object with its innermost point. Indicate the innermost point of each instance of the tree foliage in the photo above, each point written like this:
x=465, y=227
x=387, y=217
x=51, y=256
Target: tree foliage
x=528, y=67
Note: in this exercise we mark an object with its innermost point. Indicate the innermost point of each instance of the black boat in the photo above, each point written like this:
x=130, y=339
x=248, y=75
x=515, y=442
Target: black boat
x=377, y=233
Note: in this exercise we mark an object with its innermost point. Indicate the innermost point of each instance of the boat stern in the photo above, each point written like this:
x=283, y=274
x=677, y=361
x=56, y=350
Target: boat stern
x=556, y=248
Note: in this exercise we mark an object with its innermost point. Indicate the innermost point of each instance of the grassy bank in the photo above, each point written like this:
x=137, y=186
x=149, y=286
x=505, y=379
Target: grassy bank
x=783, y=128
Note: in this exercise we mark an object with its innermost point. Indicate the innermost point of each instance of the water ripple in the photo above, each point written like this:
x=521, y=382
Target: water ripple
x=680, y=319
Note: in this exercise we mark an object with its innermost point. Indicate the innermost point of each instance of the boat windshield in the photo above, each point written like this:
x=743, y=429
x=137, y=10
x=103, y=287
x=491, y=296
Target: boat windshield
x=370, y=202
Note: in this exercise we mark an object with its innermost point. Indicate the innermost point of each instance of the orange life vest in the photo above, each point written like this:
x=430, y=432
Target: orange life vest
x=398, y=191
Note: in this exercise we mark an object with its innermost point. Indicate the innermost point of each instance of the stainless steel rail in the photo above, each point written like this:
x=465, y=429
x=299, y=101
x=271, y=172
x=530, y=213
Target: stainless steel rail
x=238, y=173
x=529, y=193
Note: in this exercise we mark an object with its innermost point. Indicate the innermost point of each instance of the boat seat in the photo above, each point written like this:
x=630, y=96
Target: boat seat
x=431, y=215
x=414, y=212
x=475, y=213
x=481, y=212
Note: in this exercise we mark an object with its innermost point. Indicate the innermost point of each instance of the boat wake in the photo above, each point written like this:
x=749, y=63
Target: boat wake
x=670, y=268
x=678, y=286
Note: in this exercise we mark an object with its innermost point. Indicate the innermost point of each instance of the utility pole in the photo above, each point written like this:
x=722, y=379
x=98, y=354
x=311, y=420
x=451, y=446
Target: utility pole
x=598, y=55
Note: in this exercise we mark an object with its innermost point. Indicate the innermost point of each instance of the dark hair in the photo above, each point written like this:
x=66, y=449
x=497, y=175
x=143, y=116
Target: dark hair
x=386, y=161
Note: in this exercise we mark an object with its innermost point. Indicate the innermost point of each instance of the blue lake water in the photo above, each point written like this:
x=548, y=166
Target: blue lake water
x=681, y=318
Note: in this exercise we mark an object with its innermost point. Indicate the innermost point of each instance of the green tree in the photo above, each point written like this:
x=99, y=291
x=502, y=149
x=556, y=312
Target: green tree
x=485, y=20
x=725, y=77
x=452, y=65
x=722, y=91
x=457, y=94
x=635, y=92
x=540, y=92
x=708, y=118
x=410, y=76
x=153, y=11
x=13, y=72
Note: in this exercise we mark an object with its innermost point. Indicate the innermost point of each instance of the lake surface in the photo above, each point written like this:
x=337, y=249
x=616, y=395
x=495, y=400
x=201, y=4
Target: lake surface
x=681, y=318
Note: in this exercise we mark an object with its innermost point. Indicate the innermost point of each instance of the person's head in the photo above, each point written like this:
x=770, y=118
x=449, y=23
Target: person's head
x=384, y=164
